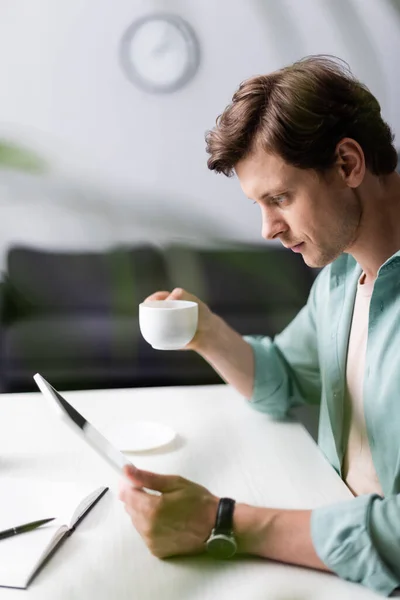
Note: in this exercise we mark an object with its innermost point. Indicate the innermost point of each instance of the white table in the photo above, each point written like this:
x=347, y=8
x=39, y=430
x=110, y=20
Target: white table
x=223, y=444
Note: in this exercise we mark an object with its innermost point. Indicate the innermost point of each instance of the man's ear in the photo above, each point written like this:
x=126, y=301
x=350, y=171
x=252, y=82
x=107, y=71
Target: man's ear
x=350, y=161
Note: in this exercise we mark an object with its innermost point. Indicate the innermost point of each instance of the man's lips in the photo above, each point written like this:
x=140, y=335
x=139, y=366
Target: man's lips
x=295, y=247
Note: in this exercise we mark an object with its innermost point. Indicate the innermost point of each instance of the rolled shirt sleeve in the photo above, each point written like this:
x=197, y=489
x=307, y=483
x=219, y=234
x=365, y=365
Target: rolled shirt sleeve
x=270, y=388
x=359, y=540
x=287, y=370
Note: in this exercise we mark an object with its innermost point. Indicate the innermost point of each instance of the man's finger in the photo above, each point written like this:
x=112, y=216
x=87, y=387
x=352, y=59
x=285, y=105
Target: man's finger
x=181, y=294
x=125, y=486
x=158, y=296
x=177, y=294
x=137, y=506
x=153, y=481
x=133, y=496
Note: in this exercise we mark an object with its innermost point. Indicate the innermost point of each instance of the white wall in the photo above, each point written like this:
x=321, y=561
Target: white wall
x=64, y=94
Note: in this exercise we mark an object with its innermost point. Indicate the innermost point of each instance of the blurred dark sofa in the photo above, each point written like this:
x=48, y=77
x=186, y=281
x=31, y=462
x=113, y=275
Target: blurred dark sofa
x=73, y=317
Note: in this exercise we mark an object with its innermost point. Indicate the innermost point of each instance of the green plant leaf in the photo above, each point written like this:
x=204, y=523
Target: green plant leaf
x=21, y=159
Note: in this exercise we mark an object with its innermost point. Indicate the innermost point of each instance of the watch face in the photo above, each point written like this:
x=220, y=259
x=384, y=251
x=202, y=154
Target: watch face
x=221, y=546
x=159, y=52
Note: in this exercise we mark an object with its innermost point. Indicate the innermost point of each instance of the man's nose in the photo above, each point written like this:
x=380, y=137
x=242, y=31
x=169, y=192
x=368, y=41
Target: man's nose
x=272, y=226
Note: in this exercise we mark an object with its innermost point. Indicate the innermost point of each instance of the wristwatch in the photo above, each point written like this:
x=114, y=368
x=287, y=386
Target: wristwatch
x=222, y=543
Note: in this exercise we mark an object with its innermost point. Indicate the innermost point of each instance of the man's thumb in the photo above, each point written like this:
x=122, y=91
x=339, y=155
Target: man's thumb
x=152, y=481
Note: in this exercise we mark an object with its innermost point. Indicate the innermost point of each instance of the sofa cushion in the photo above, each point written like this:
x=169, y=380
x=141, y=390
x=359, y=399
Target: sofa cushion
x=112, y=282
x=71, y=339
x=88, y=351
x=241, y=279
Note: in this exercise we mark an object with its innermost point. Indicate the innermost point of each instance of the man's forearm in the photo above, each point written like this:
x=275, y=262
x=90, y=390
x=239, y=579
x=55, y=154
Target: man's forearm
x=229, y=355
x=282, y=535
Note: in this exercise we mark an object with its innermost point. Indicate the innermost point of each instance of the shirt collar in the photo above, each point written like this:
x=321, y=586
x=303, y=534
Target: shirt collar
x=345, y=263
x=391, y=263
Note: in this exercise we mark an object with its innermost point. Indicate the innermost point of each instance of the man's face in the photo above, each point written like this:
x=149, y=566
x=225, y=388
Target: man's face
x=317, y=216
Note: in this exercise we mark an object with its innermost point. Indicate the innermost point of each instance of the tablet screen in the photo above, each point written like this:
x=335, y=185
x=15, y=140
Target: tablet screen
x=81, y=426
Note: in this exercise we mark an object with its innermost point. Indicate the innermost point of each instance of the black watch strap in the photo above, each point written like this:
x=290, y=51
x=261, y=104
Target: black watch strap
x=224, y=520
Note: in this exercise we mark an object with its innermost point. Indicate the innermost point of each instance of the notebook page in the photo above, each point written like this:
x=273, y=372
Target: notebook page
x=83, y=506
x=22, y=501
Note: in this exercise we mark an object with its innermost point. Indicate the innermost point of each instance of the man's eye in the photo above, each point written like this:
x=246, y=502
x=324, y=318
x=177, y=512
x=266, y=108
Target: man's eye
x=280, y=199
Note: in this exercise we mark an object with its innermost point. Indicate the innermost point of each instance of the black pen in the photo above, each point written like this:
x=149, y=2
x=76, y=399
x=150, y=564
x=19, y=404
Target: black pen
x=23, y=528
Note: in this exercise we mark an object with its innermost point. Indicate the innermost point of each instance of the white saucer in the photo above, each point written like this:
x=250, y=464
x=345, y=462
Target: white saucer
x=139, y=435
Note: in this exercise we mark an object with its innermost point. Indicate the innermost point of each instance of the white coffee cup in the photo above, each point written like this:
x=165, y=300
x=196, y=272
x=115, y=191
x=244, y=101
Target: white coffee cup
x=168, y=324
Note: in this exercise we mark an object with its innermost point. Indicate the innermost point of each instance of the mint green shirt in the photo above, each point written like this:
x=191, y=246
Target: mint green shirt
x=358, y=539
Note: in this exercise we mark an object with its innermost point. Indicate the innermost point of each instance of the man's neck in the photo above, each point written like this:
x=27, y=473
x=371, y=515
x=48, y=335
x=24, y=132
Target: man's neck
x=379, y=236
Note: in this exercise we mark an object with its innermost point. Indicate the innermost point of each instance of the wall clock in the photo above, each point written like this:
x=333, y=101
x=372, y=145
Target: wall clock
x=160, y=53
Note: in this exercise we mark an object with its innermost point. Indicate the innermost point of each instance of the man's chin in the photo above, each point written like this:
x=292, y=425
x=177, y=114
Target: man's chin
x=311, y=263
x=318, y=262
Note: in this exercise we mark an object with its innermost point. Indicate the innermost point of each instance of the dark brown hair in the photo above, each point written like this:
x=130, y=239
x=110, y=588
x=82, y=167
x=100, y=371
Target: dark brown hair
x=301, y=112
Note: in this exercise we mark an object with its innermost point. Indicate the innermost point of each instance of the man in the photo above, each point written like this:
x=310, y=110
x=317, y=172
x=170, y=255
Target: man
x=309, y=146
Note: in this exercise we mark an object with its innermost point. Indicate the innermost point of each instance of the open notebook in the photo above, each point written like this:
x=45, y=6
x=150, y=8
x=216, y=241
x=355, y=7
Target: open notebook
x=25, y=500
